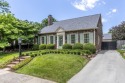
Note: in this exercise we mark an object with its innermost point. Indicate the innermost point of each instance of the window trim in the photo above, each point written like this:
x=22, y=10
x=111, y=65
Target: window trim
x=86, y=40
x=74, y=38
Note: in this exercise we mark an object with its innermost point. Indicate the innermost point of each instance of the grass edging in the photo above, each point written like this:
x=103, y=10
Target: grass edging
x=21, y=64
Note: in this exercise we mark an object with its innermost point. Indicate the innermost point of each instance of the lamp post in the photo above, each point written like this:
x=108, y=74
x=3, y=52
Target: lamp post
x=19, y=42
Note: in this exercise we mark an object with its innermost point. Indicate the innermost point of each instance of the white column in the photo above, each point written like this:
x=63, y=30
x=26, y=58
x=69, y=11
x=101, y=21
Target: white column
x=94, y=37
x=57, y=42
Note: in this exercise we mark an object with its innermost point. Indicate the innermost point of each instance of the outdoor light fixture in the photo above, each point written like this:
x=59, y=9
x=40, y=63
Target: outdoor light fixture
x=19, y=42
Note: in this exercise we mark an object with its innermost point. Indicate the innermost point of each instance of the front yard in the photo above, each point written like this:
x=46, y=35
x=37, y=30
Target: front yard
x=56, y=67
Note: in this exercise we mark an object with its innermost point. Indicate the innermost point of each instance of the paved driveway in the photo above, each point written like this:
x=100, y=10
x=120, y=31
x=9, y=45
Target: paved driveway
x=106, y=67
x=11, y=77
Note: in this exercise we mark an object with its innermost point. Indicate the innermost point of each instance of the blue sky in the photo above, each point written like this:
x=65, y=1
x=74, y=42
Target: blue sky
x=112, y=11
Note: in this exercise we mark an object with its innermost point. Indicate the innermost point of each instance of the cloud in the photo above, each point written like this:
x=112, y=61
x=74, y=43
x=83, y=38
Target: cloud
x=85, y=4
x=112, y=11
x=104, y=20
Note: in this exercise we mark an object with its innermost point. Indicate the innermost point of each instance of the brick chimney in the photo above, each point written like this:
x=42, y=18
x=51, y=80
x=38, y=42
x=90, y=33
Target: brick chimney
x=50, y=18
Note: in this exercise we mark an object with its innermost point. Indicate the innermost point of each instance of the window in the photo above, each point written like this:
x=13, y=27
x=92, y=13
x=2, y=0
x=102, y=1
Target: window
x=51, y=39
x=86, y=38
x=73, y=38
x=42, y=40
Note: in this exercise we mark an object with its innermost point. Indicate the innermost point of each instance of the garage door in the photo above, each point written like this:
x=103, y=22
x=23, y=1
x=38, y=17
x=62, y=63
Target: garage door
x=109, y=45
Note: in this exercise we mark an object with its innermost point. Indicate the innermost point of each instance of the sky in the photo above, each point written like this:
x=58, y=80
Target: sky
x=112, y=11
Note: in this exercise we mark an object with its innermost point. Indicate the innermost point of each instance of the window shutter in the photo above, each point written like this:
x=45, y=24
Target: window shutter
x=44, y=39
x=76, y=38
x=91, y=37
x=68, y=38
x=81, y=38
x=54, y=39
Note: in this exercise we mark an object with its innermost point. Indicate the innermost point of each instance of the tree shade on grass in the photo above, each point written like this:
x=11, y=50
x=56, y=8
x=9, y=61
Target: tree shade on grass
x=56, y=67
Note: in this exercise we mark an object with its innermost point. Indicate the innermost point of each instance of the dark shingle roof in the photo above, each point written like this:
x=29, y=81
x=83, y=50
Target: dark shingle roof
x=86, y=22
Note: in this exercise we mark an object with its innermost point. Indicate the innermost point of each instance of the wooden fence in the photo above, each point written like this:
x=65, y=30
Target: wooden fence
x=120, y=43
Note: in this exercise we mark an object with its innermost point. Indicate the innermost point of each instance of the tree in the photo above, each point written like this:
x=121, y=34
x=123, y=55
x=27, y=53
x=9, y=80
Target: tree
x=4, y=6
x=118, y=32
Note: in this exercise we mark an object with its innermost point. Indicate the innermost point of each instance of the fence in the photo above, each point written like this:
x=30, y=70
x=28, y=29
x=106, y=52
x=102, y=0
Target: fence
x=120, y=43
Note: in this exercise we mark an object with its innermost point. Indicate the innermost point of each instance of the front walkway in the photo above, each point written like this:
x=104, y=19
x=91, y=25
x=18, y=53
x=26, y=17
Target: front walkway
x=11, y=77
x=106, y=67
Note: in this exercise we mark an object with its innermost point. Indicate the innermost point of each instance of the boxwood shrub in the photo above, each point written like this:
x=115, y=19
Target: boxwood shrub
x=77, y=46
x=42, y=46
x=67, y=46
x=35, y=47
x=90, y=47
x=50, y=46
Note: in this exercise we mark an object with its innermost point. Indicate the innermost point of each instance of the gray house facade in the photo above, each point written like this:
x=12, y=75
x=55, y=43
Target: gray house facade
x=87, y=29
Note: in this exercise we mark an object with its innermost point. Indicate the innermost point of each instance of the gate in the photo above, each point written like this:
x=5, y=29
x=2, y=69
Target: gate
x=112, y=45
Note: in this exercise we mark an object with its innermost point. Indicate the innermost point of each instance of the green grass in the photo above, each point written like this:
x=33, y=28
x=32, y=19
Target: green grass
x=5, y=58
x=56, y=67
x=122, y=53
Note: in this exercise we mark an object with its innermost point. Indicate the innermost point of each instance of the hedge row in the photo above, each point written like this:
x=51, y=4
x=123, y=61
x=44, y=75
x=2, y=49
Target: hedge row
x=43, y=46
x=43, y=52
x=87, y=46
x=21, y=64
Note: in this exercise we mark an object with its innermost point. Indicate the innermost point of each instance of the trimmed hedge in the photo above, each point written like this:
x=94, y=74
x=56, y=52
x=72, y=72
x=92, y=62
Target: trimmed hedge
x=77, y=46
x=50, y=46
x=42, y=46
x=35, y=47
x=67, y=46
x=21, y=64
x=90, y=47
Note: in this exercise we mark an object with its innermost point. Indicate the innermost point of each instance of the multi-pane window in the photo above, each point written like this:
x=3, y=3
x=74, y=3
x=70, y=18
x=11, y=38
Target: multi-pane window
x=51, y=39
x=86, y=38
x=43, y=40
x=73, y=38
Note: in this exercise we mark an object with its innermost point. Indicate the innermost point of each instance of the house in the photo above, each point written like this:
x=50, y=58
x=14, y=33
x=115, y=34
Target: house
x=87, y=29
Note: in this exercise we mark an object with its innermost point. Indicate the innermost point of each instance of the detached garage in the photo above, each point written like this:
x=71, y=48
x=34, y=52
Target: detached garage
x=108, y=43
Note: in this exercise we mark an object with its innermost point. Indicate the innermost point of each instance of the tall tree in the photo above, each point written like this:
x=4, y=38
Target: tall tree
x=118, y=32
x=4, y=6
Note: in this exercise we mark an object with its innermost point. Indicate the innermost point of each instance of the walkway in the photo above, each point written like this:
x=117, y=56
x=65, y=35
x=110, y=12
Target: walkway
x=106, y=67
x=11, y=77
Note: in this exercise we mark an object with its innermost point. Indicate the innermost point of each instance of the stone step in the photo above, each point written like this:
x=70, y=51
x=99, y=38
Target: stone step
x=14, y=62
x=10, y=65
x=7, y=69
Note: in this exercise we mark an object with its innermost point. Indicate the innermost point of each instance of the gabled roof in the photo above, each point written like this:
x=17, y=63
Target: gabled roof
x=81, y=23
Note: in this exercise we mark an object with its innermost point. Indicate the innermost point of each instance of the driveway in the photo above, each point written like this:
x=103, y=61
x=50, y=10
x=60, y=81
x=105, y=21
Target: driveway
x=106, y=67
x=11, y=77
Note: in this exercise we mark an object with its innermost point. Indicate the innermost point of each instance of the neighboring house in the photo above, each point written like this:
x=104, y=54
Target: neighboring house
x=107, y=37
x=87, y=29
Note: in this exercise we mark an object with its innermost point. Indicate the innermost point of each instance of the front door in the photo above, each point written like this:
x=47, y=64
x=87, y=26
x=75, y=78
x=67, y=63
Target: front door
x=60, y=41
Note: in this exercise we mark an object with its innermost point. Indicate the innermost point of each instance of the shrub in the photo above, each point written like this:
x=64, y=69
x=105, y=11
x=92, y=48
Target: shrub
x=77, y=46
x=50, y=46
x=67, y=46
x=35, y=47
x=42, y=46
x=21, y=64
x=90, y=47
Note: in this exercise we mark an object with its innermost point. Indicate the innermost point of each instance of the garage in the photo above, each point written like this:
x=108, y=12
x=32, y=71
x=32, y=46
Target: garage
x=108, y=43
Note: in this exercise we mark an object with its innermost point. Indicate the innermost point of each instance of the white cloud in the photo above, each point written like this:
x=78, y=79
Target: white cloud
x=104, y=20
x=85, y=4
x=112, y=11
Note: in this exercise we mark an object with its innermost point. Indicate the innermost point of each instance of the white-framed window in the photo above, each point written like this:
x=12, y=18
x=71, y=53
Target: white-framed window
x=43, y=39
x=51, y=40
x=86, y=38
x=72, y=38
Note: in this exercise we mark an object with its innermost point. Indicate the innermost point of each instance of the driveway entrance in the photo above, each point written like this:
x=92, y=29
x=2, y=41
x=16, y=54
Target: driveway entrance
x=106, y=67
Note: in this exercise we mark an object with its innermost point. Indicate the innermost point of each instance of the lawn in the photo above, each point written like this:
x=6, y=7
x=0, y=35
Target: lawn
x=122, y=53
x=56, y=67
x=6, y=58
